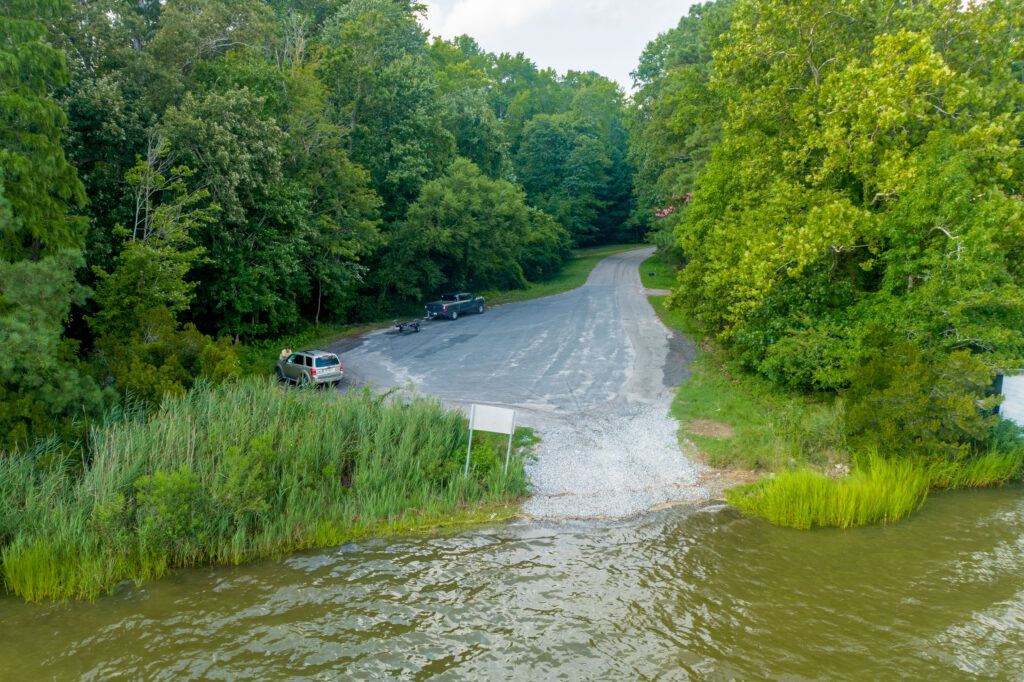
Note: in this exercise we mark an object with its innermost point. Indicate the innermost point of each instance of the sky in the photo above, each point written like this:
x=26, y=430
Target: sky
x=606, y=36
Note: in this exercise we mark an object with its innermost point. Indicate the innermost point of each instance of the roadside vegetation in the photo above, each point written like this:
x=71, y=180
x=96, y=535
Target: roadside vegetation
x=245, y=470
x=842, y=188
x=816, y=474
x=665, y=274
x=572, y=275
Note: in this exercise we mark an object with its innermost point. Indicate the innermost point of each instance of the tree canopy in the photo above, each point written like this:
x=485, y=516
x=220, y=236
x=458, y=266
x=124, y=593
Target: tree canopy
x=856, y=183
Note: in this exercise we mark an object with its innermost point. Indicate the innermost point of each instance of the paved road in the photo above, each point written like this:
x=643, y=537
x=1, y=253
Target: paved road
x=566, y=353
x=592, y=369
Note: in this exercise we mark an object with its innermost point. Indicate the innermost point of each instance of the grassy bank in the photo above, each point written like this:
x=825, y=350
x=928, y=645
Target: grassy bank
x=877, y=491
x=664, y=275
x=246, y=470
x=738, y=419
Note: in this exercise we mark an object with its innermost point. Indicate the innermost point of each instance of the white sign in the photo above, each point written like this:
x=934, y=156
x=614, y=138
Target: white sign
x=495, y=420
x=1013, y=399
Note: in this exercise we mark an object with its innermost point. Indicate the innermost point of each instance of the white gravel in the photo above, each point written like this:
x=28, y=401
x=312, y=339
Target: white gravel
x=614, y=462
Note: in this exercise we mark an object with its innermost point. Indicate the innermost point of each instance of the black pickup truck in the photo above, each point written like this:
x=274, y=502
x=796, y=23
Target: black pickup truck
x=453, y=305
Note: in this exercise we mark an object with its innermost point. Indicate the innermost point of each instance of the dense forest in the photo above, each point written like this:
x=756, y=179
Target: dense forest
x=843, y=183
x=179, y=176
x=839, y=183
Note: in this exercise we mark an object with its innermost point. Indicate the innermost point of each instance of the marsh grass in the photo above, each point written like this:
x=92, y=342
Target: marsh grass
x=228, y=474
x=884, y=492
x=878, y=491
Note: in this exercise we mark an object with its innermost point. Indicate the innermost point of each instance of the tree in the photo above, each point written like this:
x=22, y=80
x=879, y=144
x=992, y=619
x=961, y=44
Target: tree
x=41, y=385
x=867, y=178
x=40, y=183
x=465, y=231
x=383, y=92
x=675, y=119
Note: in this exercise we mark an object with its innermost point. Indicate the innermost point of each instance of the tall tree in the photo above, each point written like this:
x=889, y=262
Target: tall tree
x=41, y=386
x=865, y=189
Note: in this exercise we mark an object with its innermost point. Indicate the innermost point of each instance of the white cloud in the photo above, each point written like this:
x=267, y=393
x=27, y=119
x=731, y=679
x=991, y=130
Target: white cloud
x=606, y=36
x=484, y=17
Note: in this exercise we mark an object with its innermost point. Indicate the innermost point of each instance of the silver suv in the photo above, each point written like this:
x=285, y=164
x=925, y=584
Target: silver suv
x=310, y=367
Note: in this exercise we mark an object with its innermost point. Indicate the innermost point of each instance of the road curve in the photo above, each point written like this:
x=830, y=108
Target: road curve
x=591, y=369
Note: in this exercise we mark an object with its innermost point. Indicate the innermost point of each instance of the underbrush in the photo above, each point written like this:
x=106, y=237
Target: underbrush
x=878, y=491
x=227, y=474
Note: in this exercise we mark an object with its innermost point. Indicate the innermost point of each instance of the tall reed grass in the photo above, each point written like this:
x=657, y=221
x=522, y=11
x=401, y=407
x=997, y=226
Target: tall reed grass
x=226, y=474
x=878, y=491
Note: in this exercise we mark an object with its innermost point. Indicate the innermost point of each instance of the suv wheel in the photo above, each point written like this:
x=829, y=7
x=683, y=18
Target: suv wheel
x=480, y=309
x=455, y=314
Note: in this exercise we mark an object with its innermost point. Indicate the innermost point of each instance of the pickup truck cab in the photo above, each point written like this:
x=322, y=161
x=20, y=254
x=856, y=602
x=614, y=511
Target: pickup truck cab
x=455, y=304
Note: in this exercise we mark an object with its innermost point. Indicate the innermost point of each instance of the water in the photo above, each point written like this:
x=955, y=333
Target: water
x=679, y=594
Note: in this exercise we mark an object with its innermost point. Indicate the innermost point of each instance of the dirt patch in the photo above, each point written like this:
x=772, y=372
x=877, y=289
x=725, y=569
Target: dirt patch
x=717, y=481
x=710, y=428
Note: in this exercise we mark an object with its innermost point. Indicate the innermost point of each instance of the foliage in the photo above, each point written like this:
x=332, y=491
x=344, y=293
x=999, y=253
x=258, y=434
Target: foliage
x=573, y=163
x=466, y=231
x=862, y=191
x=40, y=184
x=243, y=168
x=227, y=474
x=675, y=119
x=908, y=405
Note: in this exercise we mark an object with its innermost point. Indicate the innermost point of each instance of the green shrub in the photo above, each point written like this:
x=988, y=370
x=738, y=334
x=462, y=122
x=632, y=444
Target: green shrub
x=546, y=249
x=901, y=402
x=172, y=513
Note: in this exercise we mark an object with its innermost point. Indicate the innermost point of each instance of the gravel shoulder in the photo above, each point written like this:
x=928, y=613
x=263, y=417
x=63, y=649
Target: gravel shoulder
x=592, y=370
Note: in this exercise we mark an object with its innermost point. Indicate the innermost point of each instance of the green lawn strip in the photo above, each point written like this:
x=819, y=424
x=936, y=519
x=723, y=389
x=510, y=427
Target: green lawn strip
x=771, y=429
x=232, y=473
x=573, y=275
x=664, y=274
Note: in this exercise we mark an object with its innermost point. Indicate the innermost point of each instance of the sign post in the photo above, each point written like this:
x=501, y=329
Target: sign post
x=495, y=420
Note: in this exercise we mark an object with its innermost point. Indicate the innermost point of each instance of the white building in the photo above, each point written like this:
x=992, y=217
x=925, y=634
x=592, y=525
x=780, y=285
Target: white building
x=1013, y=399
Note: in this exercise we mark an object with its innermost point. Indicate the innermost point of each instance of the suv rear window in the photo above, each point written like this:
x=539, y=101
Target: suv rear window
x=327, y=361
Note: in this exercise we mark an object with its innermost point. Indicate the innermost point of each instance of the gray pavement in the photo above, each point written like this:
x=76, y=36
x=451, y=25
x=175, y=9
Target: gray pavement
x=592, y=370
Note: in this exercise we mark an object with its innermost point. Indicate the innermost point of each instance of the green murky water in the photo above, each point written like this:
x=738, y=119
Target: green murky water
x=682, y=593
